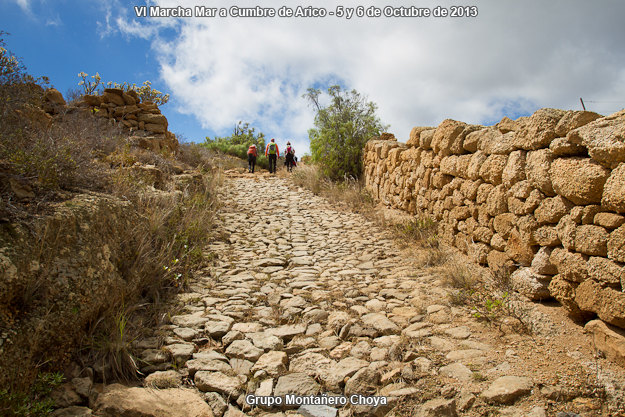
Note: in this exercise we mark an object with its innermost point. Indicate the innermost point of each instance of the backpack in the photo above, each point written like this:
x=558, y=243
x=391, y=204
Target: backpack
x=272, y=148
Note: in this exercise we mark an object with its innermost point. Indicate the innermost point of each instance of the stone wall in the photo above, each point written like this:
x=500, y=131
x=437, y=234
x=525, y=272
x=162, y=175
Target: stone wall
x=144, y=120
x=543, y=196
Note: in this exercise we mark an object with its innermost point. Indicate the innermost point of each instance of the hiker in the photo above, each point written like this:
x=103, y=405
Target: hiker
x=289, y=157
x=252, y=153
x=272, y=153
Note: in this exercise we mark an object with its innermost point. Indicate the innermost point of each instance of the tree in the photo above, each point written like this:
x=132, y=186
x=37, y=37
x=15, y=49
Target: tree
x=238, y=142
x=341, y=131
x=242, y=134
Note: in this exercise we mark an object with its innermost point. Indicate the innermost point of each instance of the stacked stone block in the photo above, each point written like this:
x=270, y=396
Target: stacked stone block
x=541, y=196
x=143, y=119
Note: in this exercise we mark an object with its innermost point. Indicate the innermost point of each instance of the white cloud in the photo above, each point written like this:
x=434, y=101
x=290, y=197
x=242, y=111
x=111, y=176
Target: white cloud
x=24, y=5
x=512, y=58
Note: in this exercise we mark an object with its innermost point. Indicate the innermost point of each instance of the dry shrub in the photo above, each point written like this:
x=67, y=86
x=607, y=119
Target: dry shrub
x=457, y=275
x=350, y=192
x=166, y=249
x=53, y=153
x=195, y=156
x=421, y=231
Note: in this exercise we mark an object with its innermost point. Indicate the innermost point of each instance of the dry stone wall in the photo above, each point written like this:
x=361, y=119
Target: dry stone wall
x=543, y=196
x=144, y=120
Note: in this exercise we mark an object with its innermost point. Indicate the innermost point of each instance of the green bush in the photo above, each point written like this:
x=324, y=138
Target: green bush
x=341, y=131
x=34, y=403
x=239, y=142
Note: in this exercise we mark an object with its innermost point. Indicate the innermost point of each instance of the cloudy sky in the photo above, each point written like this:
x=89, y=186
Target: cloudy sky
x=512, y=59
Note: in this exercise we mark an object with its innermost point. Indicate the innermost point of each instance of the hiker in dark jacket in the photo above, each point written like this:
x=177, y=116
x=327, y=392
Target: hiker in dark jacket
x=289, y=157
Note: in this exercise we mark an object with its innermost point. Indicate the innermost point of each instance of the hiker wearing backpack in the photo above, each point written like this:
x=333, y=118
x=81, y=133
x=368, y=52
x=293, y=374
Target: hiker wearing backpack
x=289, y=157
x=272, y=153
x=252, y=153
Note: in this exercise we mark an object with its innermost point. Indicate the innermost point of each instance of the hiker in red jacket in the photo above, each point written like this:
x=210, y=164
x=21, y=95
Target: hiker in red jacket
x=272, y=153
x=252, y=153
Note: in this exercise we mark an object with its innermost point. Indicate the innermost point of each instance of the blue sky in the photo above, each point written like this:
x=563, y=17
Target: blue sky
x=510, y=60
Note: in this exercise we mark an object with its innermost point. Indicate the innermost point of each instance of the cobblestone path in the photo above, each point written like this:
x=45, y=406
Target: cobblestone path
x=308, y=300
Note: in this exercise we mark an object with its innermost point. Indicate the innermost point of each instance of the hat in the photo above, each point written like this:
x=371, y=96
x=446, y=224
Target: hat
x=253, y=146
x=288, y=143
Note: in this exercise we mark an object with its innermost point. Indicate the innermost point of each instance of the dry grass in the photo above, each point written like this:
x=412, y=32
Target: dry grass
x=77, y=153
x=350, y=193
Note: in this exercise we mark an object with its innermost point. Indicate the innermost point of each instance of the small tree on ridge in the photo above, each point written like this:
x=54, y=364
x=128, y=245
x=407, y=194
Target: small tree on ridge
x=341, y=131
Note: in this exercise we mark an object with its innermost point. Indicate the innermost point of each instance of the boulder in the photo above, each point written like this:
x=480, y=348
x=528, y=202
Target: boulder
x=540, y=128
x=243, y=349
x=606, y=271
x=514, y=171
x=541, y=263
x=492, y=169
x=562, y=147
x=92, y=100
x=604, y=138
x=519, y=250
x=609, y=220
x=574, y=119
x=551, y=210
x=448, y=137
x=492, y=141
x=109, y=97
x=537, y=169
x=546, y=236
x=272, y=362
x=155, y=128
x=498, y=260
x=564, y=291
x=504, y=223
x=438, y=407
x=614, y=190
x=616, y=244
x=507, y=389
x=54, y=97
x=571, y=265
x=477, y=160
x=380, y=323
x=591, y=240
x=296, y=383
x=530, y=284
x=581, y=180
x=207, y=381
x=163, y=379
x=609, y=340
x=472, y=140
x=426, y=138
x=415, y=136
x=608, y=303
x=566, y=229
x=363, y=382
x=129, y=98
x=119, y=401
x=506, y=125
x=497, y=201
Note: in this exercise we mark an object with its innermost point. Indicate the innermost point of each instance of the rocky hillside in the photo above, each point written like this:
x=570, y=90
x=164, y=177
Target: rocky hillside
x=98, y=217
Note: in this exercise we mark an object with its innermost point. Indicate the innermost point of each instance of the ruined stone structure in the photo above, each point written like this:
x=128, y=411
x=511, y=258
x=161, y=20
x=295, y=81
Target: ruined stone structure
x=543, y=196
x=144, y=120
